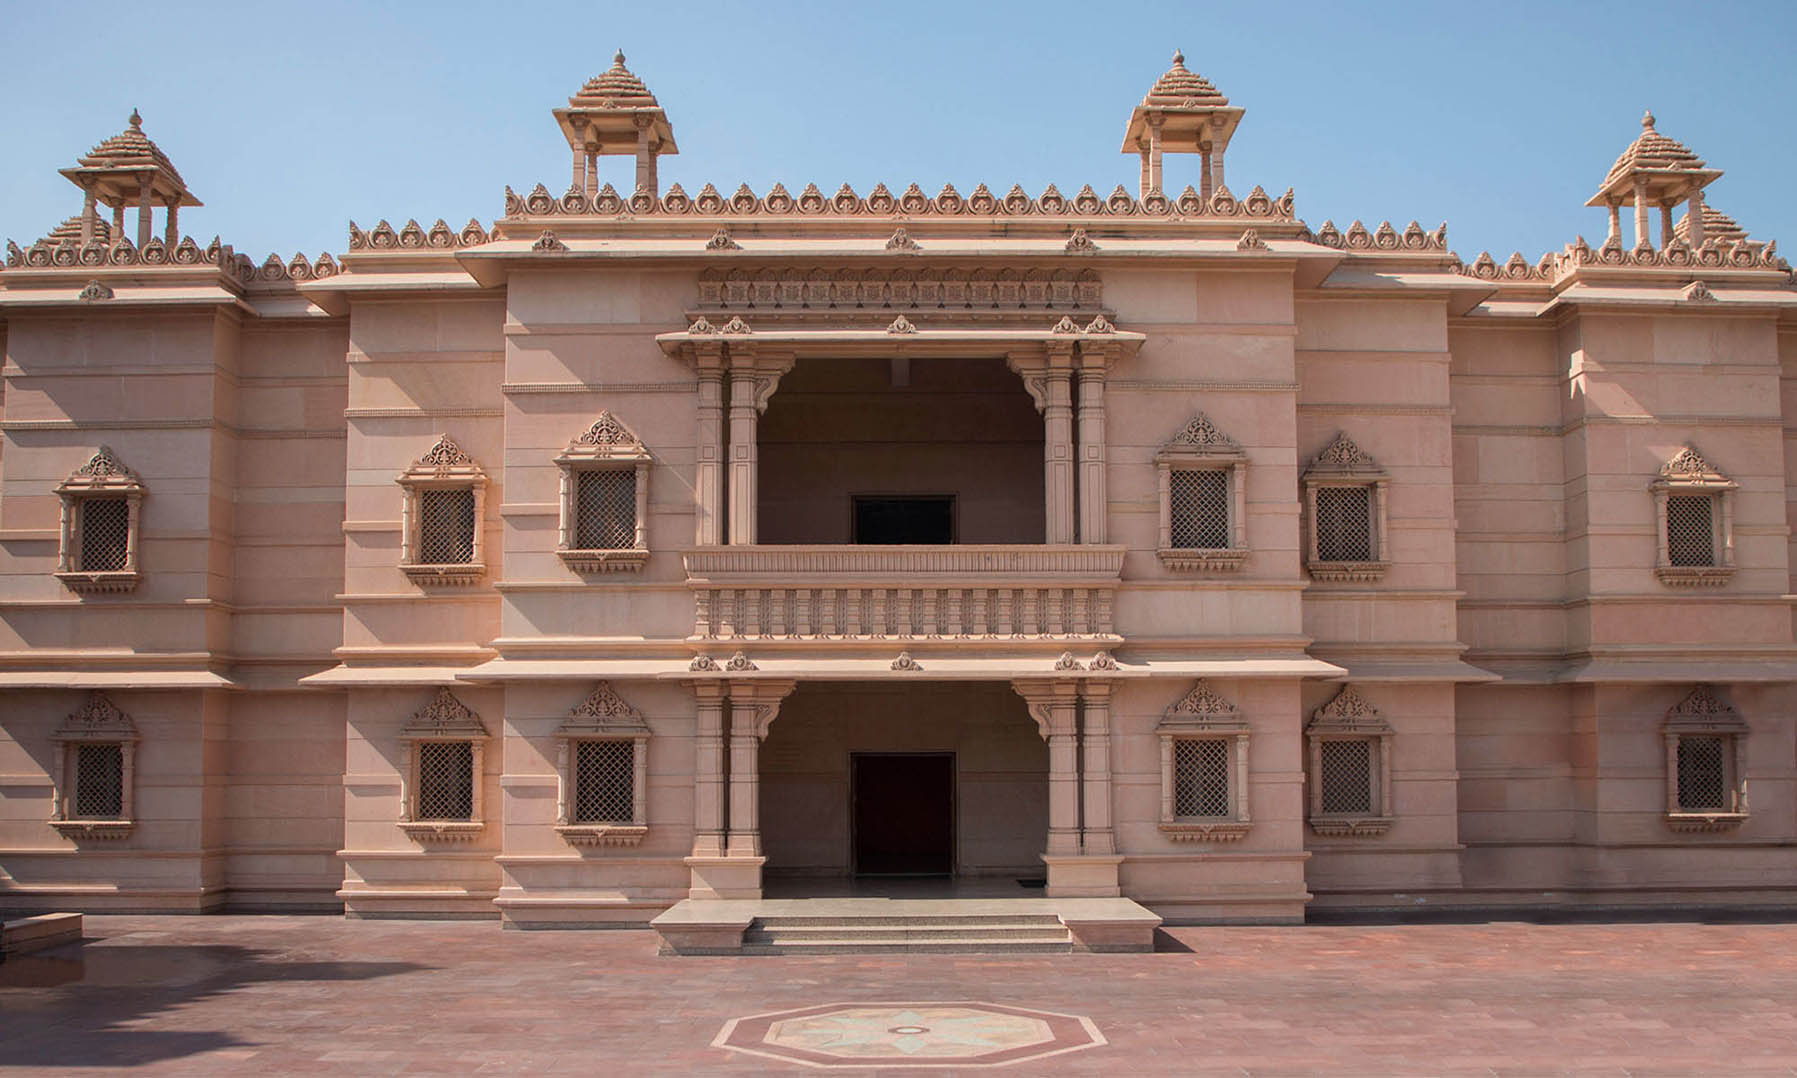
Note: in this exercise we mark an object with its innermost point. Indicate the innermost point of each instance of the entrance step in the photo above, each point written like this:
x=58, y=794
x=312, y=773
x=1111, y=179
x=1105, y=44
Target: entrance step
x=889, y=926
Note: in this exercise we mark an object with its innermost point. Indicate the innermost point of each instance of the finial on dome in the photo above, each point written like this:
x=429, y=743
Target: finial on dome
x=1647, y=120
x=617, y=59
x=136, y=120
x=1179, y=57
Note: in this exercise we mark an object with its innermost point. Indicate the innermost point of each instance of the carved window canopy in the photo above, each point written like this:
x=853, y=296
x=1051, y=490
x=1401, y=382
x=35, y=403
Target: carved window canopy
x=1694, y=515
x=604, y=499
x=100, y=529
x=93, y=777
x=1350, y=768
x=1204, y=769
x=440, y=782
x=602, y=772
x=1706, y=764
x=1345, y=515
x=1203, y=520
x=442, y=532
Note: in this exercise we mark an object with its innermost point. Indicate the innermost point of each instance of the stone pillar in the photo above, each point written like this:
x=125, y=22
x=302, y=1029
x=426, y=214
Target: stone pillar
x=1048, y=376
x=743, y=463
x=708, y=469
x=1054, y=706
x=745, y=773
x=1096, y=836
x=753, y=378
x=1694, y=210
x=89, y=216
x=1205, y=190
x=708, y=770
x=1216, y=168
x=592, y=185
x=1094, y=506
x=118, y=222
x=645, y=157
x=1641, y=237
x=1147, y=170
x=1615, y=223
x=1665, y=224
x=1154, y=154
x=143, y=210
x=171, y=232
x=580, y=170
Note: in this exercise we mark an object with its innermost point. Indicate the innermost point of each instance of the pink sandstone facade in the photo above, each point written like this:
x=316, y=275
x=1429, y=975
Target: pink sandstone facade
x=649, y=545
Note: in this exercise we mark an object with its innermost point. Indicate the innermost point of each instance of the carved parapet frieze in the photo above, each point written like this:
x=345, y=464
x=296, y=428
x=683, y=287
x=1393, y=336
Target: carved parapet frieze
x=1384, y=239
x=913, y=202
x=882, y=288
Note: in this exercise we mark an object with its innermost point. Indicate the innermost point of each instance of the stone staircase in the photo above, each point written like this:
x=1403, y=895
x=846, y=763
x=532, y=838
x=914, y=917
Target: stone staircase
x=904, y=926
x=1009, y=933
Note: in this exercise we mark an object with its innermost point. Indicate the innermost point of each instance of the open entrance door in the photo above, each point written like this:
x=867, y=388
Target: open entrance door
x=904, y=813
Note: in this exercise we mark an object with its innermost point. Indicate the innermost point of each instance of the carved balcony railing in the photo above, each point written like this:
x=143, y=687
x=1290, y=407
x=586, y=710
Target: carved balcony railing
x=904, y=592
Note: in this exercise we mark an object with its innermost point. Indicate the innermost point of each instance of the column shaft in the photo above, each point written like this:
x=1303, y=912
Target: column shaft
x=1154, y=157
x=143, y=211
x=88, y=216
x=1641, y=237
x=1205, y=190
x=1063, y=779
x=708, y=470
x=1057, y=449
x=745, y=776
x=743, y=464
x=1094, y=508
x=1694, y=211
x=171, y=231
x=1097, y=836
x=708, y=772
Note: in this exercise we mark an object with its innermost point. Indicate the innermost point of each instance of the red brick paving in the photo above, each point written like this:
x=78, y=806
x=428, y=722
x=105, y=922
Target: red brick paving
x=319, y=995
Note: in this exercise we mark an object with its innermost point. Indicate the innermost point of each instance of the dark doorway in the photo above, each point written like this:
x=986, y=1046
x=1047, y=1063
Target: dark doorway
x=904, y=813
x=894, y=519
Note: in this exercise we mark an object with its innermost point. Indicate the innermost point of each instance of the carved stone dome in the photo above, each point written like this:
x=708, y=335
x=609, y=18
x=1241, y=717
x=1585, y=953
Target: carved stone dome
x=1653, y=150
x=615, y=88
x=1180, y=86
x=70, y=232
x=131, y=148
x=1716, y=226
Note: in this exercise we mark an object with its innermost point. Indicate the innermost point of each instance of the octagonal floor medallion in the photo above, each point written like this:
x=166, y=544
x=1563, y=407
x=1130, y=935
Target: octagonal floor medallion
x=911, y=1034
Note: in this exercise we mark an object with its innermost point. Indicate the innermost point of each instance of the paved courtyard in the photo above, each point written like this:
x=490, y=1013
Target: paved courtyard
x=286, y=995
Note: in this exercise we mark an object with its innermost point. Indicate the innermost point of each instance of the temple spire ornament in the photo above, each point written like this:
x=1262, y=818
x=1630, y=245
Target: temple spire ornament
x=615, y=114
x=1182, y=113
x=128, y=170
x=1656, y=171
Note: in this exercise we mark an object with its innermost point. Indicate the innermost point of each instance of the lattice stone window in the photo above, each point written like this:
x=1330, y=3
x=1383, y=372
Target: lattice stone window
x=1706, y=764
x=443, y=755
x=94, y=773
x=1345, y=514
x=605, y=499
x=442, y=538
x=1201, y=474
x=1204, y=769
x=100, y=510
x=602, y=795
x=1350, y=767
x=1694, y=521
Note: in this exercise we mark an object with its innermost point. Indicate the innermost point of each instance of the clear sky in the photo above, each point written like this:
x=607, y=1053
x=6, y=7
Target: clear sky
x=289, y=120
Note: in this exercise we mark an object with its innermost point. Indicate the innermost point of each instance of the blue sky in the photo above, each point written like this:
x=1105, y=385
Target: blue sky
x=289, y=120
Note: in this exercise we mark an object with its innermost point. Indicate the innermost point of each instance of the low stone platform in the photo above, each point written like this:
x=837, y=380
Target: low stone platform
x=901, y=925
x=20, y=935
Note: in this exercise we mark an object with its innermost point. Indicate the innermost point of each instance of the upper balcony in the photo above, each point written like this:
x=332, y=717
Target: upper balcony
x=853, y=593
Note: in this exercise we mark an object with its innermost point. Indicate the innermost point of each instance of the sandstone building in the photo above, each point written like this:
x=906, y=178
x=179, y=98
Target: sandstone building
x=649, y=544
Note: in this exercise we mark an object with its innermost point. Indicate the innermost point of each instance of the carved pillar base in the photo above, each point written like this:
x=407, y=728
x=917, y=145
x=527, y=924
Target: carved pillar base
x=1082, y=877
x=725, y=877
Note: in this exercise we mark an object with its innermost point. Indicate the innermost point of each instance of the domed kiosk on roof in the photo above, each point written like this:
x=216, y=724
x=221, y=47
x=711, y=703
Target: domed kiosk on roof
x=129, y=170
x=1655, y=171
x=1182, y=113
x=614, y=113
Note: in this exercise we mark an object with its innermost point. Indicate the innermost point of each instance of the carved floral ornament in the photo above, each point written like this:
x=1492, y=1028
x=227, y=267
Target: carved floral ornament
x=445, y=717
x=1343, y=457
x=98, y=719
x=159, y=253
x=910, y=203
x=1687, y=467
